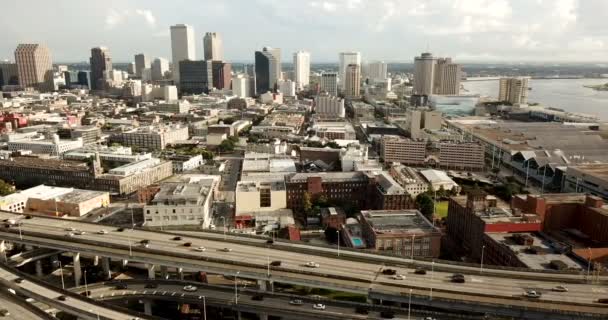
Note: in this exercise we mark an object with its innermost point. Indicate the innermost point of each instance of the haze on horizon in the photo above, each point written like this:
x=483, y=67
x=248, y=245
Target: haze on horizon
x=390, y=30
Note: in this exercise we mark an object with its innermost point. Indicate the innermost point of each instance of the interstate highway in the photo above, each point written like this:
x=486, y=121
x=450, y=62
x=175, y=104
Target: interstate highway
x=334, y=273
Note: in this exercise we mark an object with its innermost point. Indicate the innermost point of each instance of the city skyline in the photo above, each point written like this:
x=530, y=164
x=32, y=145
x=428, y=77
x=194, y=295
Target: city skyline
x=473, y=30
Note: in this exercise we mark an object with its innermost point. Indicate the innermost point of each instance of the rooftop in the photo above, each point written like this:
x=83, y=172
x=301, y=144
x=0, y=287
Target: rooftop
x=398, y=221
x=181, y=191
x=327, y=176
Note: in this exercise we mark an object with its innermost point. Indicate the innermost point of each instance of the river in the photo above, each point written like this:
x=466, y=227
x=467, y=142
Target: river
x=566, y=94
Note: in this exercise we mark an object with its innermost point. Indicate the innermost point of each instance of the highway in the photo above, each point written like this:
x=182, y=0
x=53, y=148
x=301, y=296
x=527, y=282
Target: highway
x=19, y=309
x=73, y=304
x=345, y=273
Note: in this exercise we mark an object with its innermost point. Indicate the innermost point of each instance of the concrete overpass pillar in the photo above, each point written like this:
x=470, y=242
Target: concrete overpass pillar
x=148, y=307
x=77, y=269
x=124, y=263
x=164, y=273
x=96, y=260
x=105, y=265
x=238, y=315
x=3, y=251
x=266, y=285
x=180, y=273
x=39, y=272
x=263, y=316
x=151, y=270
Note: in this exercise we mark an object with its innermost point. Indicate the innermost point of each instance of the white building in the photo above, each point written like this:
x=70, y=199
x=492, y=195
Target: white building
x=213, y=47
x=301, y=63
x=351, y=155
x=240, y=86
x=514, y=90
x=329, y=83
x=183, y=163
x=347, y=58
x=160, y=66
x=182, y=46
x=260, y=193
x=53, y=146
x=287, y=88
x=170, y=94
x=424, y=70
x=329, y=106
x=142, y=61
x=438, y=179
x=377, y=70
x=151, y=137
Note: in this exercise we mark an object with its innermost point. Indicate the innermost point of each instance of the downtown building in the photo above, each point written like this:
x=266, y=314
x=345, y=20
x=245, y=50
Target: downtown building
x=213, y=46
x=328, y=106
x=329, y=83
x=34, y=67
x=346, y=59
x=513, y=90
x=101, y=64
x=195, y=77
x=182, y=47
x=151, y=137
x=267, y=69
x=142, y=62
x=352, y=81
x=301, y=63
x=436, y=75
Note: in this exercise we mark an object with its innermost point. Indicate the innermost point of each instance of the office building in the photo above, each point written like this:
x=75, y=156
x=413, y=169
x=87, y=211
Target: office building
x=328, y=106
x=84, y=79
x=329, y=83
x=151, y=137
x=335, y=130
x=346, y=59
x=260, y=193
x=377, y=70
x=160, y=67
x=53, y=146
x=352, y=81
x=182, y=47
x=267, y=69
x=513, y=90
x=240, y=86
x=34, y=67
x=287, y=88
x=142, y=61
x=424, y=71
x=101, y=64
x=447, y=77
x=196, y=77
x=9, y=75
x=221, y=73
x=301, y=65
x=213, y=47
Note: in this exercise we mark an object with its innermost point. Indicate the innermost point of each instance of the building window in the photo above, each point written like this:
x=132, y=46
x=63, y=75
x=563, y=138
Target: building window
x=265, y=201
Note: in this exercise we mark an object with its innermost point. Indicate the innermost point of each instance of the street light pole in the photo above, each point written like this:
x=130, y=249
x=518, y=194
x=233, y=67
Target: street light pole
x=432, y=278
x=86, y=286
x=588, y=263
x=413, y=238
x=236, y=295
x=409, y=306
x=61, y=273
x=224, y=226
x=481, y=264
x=338, y=231
x=204, y=308
x=268, y=261
x=19, y=227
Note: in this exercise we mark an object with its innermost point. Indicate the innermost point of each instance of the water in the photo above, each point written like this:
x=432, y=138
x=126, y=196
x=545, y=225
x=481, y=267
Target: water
x=566, y=94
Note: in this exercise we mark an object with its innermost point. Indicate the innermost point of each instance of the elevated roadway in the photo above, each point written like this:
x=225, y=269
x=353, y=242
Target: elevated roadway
x=19, y=309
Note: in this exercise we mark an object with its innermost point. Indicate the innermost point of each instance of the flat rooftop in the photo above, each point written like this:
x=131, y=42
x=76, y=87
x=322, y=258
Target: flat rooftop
x=328, y=176
x=398, y=221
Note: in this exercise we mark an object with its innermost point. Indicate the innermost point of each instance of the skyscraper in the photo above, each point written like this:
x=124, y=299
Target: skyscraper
x=195, y=76
x=301, y=65
x=240, y=86
x=142, y=61
x=447, y=77
x=100, y=63
x=34, y=67
x=352, y=83
x=213, y=47
x=267, y=69
x=182, y=46
x=514, y=90
x=377, y=70
x=8, y=74
x=329, y=83
x=347, y=58
x=424, y=71
x=160, y=66
x=221, y=72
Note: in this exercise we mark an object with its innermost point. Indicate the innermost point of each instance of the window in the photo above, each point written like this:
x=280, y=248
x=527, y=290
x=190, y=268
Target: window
x=265, y=199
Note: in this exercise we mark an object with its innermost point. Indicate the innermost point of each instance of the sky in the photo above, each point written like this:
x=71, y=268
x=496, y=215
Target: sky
x=390, y=30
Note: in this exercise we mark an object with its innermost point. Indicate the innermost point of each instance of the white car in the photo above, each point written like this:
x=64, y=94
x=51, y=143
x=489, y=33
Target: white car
x=318, y=306
x=398, y=277
x=70, y=229
x=533, y=294
x=200, y=249
x=312, y=264
x=226, y=250
x=560, y=289
x=79, y=233
x=102, y=232
x=190, y=288
x=69, y=234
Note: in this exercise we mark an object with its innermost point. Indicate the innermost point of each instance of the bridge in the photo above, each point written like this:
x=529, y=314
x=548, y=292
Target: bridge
x=494, y=290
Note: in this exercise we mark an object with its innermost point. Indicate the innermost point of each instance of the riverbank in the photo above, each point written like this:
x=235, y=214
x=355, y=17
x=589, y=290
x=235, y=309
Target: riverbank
x=598, y=87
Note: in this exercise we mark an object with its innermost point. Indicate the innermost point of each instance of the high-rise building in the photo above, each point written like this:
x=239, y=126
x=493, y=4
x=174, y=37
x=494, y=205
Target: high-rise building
x=329, y=83
x=287, y=88
x=267, y=69
x=377, y=70
x=347, y=58
x=328, y=106
x=8, y=74
x=195, y=76
x=142, y=61
x=34, y=66
x=131, y=68
x=221, y=72
x=301, y=65
x=101, y=62
x=424, y=71
x=160, y=66
x=240, y=86
x=447, y=77
x=514, y=90
x=84, y=78
x=213, y=47
x=352, y=81
x=182, y=46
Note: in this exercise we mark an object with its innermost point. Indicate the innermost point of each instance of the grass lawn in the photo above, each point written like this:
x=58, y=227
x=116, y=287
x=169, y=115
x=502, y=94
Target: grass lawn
x=442, y=209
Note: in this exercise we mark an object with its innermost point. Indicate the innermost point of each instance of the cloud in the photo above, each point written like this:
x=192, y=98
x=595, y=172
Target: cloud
x=147, y=15
x=115, y=18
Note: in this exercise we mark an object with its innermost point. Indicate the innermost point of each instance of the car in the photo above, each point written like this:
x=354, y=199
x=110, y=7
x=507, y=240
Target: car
x=312, y=264
x=4, y=313
x=79, y=232
x=602, y=300
x=190, y=288
x=121, y=286
x=559, y=289
x=103, y=231
x=361, y=310
x=145, y=243
x=269, y=241
x=533, y=294
x=387, y=314
x=151, y=285
x=70, y=229
x=188, y=244
x=226, y=250
x=296, y=302
x=318, y=306
x=120, y=229
x=176, y=238
x=62, y=298
x=458, y=278
x=69, y=234
x=389, y=272
x=200, y=249
x=315, y=297
x=420, y=271
x=19, y=280
x=275, y=263
x=86, y=293
x=257, y=297
x=28, y=217
x=398, y=277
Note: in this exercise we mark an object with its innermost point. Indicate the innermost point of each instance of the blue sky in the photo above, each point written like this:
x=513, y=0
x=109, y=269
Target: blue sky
x=391, y=30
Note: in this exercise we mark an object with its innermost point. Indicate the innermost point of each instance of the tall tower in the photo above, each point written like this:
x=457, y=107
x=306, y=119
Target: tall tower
x=100, y=63
x=447, y=77
x=377, y=70
x=267, y=69
x=347, y=58
x=424, y=70
x=34, y=67
x=159, y=67
x=213, y=47
x=352, y=83
x=142, y=61
x=329, y=83
x=301, y=65
x=514, y=90
x=182, y=46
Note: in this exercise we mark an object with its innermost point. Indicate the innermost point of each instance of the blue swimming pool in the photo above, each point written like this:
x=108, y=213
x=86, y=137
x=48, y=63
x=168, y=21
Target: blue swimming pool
x=357, y=242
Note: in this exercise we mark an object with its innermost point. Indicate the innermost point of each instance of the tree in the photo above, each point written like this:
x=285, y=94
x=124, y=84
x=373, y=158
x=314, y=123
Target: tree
x=425, y=204
x=228, y=120
x=226, y=146
x=306, y=202
x=333, y=145
x=207, y=155
x=6, y=188
x=441, y=192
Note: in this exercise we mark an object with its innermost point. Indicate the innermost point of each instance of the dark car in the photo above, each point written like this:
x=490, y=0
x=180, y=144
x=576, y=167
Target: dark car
x=275, y=263
x=62, y=298
x=257, y=297
x=19, y=280
x=389, y=272
x=420, y=271
x=176, y=238
x=458, y=278
x=361, y=310
x=86, y=293
x=121, y=286
x=188, y=244
x=387, y=314
x=120, y=229
x=603, y=300
x=151, y=286
x=270, y=241
x=28, y=216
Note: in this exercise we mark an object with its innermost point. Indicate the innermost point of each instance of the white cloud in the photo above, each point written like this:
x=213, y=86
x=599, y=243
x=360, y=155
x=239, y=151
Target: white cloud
x=115, y=18
x=147, y=15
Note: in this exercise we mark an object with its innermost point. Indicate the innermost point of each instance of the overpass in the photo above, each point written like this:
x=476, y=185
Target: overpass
x=19, y=309
x=495, y=290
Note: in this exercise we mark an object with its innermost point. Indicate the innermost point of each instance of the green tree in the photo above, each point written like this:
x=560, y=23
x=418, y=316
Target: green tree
x=306, y=202
x=207, y=155
x=425, y=204
x=226, y=146
x=6, y=188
